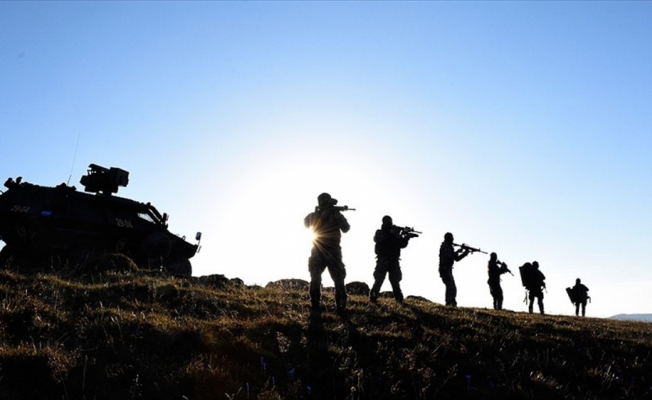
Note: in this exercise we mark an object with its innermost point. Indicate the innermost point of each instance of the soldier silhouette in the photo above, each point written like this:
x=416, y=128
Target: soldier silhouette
x=496, y=269
x=447, y=257
x=535, y=287
x=389, y=242
x=327, y=224
x=580, y=295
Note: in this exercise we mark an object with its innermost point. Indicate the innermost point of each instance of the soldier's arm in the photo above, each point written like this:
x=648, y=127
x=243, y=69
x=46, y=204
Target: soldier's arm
x=307, y=221
x=460, y=254
x=342, y=222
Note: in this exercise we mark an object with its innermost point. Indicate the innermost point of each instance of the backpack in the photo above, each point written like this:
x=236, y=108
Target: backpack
x=527, y=275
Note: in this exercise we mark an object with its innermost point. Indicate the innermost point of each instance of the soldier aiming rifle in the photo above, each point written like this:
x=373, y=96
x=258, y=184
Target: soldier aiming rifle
x=390, y=239
x=327, y=223
x=447, y=257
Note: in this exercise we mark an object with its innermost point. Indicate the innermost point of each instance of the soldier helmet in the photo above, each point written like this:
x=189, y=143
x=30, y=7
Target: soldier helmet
x=535, y=264
x=578, y=281
x=448, y=236
x=323, y=197
x=493, y=256
x=387, y=220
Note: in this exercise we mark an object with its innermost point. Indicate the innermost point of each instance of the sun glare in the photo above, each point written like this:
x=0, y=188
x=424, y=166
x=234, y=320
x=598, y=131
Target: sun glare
x=267, y=240
x=312, y=235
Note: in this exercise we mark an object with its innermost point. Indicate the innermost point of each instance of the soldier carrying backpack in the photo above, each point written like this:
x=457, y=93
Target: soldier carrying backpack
x=533, y=280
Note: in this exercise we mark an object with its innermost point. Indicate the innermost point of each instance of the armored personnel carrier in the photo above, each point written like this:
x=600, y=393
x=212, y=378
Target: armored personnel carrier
x=40, y=221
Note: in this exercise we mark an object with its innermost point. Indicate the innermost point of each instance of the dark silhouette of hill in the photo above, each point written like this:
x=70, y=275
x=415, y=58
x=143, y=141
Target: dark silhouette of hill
x=140, y=335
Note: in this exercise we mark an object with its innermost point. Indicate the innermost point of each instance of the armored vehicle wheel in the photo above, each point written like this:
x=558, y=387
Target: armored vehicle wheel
x=179, y=267
x=154, y=248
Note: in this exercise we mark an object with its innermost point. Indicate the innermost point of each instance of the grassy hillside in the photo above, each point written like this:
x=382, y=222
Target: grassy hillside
x=139, y=335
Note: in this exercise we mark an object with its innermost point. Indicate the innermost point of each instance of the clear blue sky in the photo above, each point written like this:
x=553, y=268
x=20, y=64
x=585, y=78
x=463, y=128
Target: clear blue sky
x=523, y=128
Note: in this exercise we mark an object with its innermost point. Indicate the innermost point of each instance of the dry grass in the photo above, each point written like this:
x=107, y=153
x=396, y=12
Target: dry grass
x=139, y=335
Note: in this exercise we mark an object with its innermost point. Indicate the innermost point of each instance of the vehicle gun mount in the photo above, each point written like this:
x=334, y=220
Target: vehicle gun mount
x=105, y=180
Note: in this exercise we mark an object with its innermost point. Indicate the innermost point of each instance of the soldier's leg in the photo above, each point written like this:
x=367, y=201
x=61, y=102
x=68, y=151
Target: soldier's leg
x=584, y=308
x=497, y=294
x=493, y=295
x=499, y=297
x=577, y=309
x=531, y=297
x=541, y=302
x=453, y=291
x=447, y=278
x=379, y=278
x=316, y=268
x=338, y=273
x=446, y=291
x=395, y=277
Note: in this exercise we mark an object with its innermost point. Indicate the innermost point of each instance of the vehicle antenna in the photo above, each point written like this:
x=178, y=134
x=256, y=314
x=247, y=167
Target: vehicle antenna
x=73, y=159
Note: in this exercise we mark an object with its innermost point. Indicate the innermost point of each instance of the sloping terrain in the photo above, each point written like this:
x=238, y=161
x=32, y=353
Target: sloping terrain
x=633, y=317
x=140, y=335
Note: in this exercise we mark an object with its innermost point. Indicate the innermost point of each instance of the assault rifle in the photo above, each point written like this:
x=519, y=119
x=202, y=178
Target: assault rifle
x=502, y=264
x=332, y=207
x=407, y=231
x=463, y=246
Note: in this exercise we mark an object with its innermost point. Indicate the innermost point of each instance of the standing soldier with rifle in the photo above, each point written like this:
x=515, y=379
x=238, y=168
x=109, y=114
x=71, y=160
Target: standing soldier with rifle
x=390, y=240
x=327, y=224
x=447, y=257
x=496, y=269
